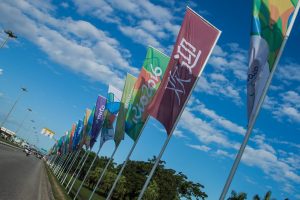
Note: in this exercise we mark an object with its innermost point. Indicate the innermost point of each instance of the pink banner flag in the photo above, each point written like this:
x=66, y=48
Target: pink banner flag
x=194, y=44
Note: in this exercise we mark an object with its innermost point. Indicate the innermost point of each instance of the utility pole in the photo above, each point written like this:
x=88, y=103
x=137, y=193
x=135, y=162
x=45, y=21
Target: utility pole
x=9, y=34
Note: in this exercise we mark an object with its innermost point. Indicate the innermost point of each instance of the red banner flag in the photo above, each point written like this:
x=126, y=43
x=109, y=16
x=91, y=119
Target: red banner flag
x=194, y=44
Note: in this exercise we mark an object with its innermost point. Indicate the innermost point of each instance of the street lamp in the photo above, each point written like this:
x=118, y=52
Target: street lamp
x=23, y=90
x=19, y=128
x=9, y=34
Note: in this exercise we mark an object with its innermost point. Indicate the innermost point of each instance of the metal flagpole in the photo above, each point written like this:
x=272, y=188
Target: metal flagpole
x=60, y=164
x=50, y=159
x=78, y=173
x=72, y=158
x=103, y=172
x=69, y=155
x=57, y=163
x=173, y=128
x=54, y=162
x=65, y=165
x=53, y=157
x=125, y=162
x=260, y=102
x=86, y=175
x=70, y=167
x=155, y=165
x=81, y=163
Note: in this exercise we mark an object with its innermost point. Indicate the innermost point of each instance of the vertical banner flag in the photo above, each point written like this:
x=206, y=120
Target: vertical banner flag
x=98, y=119
x=112, y=108
x=77, y=135
x=89, y=128
x=71, y=137
x=85, y=124
x=127, y=92
x=67, y=142
x=149, y=79
x=270, y=22
x=194, y=44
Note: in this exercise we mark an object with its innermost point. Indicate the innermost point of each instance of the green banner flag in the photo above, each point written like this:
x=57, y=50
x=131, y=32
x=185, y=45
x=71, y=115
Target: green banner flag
x=144, y=89
x=125, y=101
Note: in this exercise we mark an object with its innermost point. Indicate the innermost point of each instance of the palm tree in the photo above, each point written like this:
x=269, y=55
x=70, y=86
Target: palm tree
x=237, y=196
x=267, y=196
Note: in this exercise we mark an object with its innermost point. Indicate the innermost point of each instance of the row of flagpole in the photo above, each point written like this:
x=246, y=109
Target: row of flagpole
x=178, y=79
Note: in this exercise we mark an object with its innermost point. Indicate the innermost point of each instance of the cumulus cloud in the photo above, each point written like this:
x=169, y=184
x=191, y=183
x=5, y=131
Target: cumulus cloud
x=77, y=45
x=289, y=72
x=1, y=71
x=219, y=120
x=200, y=147
x=147, y=23
x=282, y=167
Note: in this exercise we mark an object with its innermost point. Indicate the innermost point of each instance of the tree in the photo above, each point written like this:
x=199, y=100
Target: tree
x=266, y=197
x=237, y=196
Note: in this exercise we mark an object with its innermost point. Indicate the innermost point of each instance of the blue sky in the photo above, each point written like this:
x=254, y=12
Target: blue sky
x=69, y=51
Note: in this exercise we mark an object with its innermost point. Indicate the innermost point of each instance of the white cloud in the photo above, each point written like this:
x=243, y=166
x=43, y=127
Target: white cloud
x=179, y=134
x=223, y=153
x=64, y=5
x=146, y=23
x=221, y=121
x=287, y=111
x=218, y=85
x=78, y=45
x=1, y=71
x=140, y=36
x=292, y=98
x=282, y=168
x=289, y=72
x=204, y=131
x=200, y=147
x=270, y=164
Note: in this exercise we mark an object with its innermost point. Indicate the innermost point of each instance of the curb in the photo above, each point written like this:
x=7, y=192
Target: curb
x=4, y=143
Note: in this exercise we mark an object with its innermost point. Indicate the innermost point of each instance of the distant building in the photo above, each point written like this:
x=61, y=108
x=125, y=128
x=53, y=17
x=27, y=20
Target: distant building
x=6, y=133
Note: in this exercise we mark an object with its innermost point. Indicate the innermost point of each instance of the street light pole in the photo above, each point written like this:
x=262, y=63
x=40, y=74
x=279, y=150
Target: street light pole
x=14, y=105
x=19, y=128
x=9, y=34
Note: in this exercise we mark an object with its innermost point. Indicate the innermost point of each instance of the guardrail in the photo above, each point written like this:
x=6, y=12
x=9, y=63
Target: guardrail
x=4, y=143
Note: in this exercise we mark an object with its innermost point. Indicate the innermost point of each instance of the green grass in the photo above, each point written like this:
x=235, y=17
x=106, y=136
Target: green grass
x=58, y=191
x=83, y=195
x=84, y=192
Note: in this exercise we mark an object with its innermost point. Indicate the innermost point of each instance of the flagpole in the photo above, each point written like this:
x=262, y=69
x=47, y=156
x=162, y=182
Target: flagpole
x=86, y=175
x=69, y=156
x=260, y=102
x=125, y=162
x=103, y=172
x=55, y=162
x=70, y=166
x=81, y=166
x=175, y=124
x=59, y=164
x=65, y=165
x=78, y=173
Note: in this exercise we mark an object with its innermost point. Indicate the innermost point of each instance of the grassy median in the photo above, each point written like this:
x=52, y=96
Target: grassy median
x=59, y=192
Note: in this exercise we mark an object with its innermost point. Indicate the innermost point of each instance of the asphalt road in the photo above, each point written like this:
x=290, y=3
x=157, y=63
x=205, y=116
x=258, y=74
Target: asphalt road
x=22, y=177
